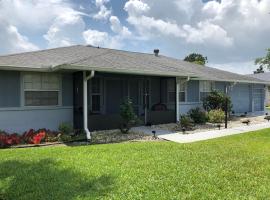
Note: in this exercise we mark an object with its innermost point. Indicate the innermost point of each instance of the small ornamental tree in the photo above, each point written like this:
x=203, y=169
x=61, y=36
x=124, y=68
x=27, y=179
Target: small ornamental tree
x=217, y=100
x=128, y=115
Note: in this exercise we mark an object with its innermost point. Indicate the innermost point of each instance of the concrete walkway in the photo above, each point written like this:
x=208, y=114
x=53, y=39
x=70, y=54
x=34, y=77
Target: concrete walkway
x=200, y=136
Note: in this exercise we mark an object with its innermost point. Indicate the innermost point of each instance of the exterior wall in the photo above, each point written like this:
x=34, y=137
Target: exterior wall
x=192, y=97
x=20, y=120
x=193, y=91
x=241, y=98
x=248, y=98
x=187, y=106
x=15, y=117
x=245, y=97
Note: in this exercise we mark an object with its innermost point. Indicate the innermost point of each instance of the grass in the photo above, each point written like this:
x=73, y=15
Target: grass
x=235, y=167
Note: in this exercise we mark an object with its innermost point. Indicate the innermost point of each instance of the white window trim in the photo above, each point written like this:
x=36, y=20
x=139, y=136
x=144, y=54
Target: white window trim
x=22, y=74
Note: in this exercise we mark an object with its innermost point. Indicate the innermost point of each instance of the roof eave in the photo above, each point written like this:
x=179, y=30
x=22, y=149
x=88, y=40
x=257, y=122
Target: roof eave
x=119, y=71
x=232, y=81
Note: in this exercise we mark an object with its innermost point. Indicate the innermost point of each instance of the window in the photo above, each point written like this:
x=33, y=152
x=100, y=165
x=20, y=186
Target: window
x=171, y=90
x=41, y=89
x=96, y=95
x=205, y=89
x=182, y=91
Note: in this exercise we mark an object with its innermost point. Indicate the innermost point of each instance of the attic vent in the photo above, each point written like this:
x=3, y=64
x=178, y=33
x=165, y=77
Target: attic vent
x=156, y=52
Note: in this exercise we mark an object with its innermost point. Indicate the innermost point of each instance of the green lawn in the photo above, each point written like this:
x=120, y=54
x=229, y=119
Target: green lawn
x=236, y=167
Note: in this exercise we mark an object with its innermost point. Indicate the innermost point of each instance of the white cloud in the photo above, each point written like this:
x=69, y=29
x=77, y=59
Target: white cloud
x=118, y=28
x=96, y=38
x=60, y=22
x=226, y=31
x=12, y=41
x=35, y=15
x=136, y=7
x=247, y=67
x=207, y=33
x=66, y=30
x=104, y=13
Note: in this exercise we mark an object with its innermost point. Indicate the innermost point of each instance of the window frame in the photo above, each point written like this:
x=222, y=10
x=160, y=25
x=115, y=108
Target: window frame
x=184, y=82
x=100, y=94
x=212, y=87
x=23, y=90
x=170, y=91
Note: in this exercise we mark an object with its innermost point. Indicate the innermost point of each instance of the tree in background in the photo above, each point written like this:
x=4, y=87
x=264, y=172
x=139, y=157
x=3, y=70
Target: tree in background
x=263, y=62
x=196, y=58
x=259, y=70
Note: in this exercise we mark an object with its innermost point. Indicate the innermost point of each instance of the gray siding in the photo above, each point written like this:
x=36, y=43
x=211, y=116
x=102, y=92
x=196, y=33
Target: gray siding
x=193, y=91
x=14, y=118
x=240, y=96
x=9, y=89
x=258, y=97
x=21, y=120
x=220, y=86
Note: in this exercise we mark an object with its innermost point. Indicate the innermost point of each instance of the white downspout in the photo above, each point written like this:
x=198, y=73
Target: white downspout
x=85, y=103
x=177, y=99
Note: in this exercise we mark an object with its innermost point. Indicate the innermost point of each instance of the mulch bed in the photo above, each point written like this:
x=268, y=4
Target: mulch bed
x=98, y=137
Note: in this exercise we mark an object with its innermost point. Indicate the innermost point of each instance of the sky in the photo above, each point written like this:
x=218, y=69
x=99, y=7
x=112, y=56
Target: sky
x=231, y=33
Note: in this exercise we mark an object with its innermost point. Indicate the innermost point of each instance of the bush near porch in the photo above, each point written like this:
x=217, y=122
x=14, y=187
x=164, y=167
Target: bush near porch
x=235, y=167
x=214, y=106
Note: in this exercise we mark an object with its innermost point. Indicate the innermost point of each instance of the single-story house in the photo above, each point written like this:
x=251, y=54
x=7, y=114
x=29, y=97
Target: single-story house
x=85, y=85
x=264, y=77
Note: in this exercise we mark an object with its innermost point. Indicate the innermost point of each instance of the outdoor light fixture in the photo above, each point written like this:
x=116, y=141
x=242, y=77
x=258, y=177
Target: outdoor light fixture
x=154, y=134
x=184, y=130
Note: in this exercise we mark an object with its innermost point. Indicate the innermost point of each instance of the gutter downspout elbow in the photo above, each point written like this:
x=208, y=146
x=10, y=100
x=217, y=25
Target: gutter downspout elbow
x=85, y=102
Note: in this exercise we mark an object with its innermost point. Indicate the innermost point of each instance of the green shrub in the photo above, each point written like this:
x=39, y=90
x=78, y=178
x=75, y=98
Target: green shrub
x=128, y=116
x=198, y=115
x=186, y=122
x=217, y=100
x=65, y=128
x=216, y=116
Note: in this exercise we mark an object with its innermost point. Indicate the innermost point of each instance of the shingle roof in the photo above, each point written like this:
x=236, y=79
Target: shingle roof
x=109, y=60
x=262, y=76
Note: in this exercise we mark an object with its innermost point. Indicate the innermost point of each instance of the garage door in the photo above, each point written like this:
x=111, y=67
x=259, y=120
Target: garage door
x=258, y=99
x=240, y=98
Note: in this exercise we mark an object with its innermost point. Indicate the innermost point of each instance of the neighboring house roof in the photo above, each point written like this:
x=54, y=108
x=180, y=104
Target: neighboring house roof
x=262, y=76
x=116, y=61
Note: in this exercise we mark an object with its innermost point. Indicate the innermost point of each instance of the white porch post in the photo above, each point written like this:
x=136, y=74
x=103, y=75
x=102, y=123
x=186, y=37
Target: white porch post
x=85, y=103
x=177, y=99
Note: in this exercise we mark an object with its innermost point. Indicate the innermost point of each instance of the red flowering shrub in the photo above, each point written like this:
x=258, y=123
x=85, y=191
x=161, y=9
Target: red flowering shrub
x=9, y=140
x=28, y=137
x=38, y=137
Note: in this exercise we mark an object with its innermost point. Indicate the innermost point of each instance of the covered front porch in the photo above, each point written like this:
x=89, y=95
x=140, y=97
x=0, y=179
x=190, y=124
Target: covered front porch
x=154, y=99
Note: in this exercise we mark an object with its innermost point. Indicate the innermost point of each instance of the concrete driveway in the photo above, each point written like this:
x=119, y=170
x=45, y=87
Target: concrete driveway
x=200, y=136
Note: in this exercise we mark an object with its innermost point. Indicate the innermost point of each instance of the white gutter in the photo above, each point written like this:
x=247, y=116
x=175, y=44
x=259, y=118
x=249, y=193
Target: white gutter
x=85, y=103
